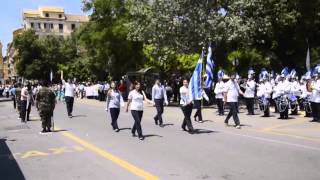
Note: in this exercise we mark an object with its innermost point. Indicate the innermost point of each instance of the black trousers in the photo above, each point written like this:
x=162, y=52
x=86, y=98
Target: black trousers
x=137, y=116
x=114, y=112
x=14, y=102
x=315, y=111
x=159, y=106
x=284, y=114
x=274, y=103
x=187, y=110
x=233, y=112
x=23, y=110
x=197, y=105
x=266, y=112
x=250, y=105
x=28, y=111
x=220, y=106
x=69, y=103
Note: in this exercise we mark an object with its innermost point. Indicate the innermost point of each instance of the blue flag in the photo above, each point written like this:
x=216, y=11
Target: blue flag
x=209, y=68
x=195, y=81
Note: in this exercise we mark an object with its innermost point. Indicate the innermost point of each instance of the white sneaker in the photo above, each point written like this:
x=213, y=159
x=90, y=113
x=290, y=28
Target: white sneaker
x=238, y=127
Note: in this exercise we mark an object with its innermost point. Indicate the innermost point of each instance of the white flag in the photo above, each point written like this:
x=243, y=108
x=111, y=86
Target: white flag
x=308, y=60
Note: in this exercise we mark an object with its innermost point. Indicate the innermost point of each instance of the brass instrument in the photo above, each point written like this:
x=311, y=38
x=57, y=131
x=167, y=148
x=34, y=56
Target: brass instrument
x=309, y=86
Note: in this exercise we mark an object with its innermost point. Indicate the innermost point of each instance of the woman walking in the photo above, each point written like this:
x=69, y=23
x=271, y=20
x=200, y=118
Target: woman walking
x=114, y=101
x=136, y=98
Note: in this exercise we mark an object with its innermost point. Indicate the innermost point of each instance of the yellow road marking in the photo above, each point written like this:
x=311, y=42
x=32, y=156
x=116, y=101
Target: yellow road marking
x=131, y=168
x=33, y=154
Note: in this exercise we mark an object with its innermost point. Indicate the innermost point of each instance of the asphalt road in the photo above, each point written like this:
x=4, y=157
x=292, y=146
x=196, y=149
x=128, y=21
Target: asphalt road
x=85, y=147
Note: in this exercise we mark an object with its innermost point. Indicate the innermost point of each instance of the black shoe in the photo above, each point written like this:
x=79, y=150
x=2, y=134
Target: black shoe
x=134, y=135
x=314, y=120
x=195, y=119
x=191, y=131
x=49, y=130
x=184, y=129
x=44, y=131
x=155, y=121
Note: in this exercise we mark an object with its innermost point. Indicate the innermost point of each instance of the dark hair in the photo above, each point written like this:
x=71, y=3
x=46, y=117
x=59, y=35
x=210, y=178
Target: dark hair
x=116, y=88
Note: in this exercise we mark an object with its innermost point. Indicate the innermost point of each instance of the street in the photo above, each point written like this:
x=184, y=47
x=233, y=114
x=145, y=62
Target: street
x=86, y=147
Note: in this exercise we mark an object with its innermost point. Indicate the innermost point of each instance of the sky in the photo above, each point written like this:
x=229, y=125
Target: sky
x=11, y=14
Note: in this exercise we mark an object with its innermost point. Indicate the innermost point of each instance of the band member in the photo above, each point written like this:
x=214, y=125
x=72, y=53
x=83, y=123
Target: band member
x=296, y=92
x=114, y=101
x=218, y=90
x=266, y=90
x=136, y=98
x=159, y=97
x=283, y=90
x=249, y=93
x=306, y=94
x=231, y=94
x=186, y=107
x=315, y=97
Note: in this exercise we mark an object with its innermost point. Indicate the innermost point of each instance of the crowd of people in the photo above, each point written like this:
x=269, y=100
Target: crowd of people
x=284, y=92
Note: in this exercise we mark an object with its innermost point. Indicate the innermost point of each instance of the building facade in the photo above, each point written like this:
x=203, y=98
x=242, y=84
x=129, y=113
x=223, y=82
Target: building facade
x=1, y=65
x=52, y=21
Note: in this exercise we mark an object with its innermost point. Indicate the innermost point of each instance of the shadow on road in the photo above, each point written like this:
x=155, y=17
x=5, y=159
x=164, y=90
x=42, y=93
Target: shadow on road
x=77, y=116
x=203, y=131
x=168, y=124
x=121, y=129
x=9, y=168
x=152, y=135
x=59, y=130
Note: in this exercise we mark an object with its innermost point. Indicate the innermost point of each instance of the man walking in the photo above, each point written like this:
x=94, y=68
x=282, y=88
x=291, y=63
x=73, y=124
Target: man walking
x=231, y=94
x=159, y=96
x=24, y=99
x=69, y=94
x=45, y=103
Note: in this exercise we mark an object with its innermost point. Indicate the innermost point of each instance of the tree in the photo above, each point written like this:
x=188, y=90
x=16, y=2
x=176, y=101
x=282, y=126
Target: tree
x=105, y=39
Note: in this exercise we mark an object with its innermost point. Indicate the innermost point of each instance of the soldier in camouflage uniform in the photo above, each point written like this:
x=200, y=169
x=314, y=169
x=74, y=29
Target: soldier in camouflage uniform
x=45, y=104
x=18, y=99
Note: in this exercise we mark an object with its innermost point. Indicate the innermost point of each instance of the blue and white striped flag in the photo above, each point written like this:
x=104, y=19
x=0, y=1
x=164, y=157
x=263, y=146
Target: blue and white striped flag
x=195, y=81
x=209, y=68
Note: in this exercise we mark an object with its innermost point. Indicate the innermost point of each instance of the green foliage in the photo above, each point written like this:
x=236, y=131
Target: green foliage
x=168, y=61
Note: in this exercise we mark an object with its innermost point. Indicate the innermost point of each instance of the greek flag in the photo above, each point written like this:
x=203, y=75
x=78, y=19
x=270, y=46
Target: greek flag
x=195, y=81
x=209, y=68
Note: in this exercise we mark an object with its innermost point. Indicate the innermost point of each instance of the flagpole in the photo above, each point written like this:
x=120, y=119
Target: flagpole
x=202, y=73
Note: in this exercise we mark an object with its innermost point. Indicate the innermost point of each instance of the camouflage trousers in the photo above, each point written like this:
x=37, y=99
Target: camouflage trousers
x=46, y=121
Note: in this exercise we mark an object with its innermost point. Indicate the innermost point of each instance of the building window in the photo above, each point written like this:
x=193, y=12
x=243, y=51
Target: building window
x=60, y=15
x=45, y=25
x=51, y=26
x=47, y=14
x=32, y=25
x=61, y=27
x=39, y=25
x=73, y=26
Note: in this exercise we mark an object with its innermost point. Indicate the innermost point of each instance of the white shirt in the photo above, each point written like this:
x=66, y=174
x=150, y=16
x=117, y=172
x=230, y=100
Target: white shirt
x=232, y=89
x=295, y=88
x=219, y=89
x=316, y=92
x=250, y=89
x=284, y=87
x=69, y=89
x=184, y=96
x=136, y=100
x=114, y=100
